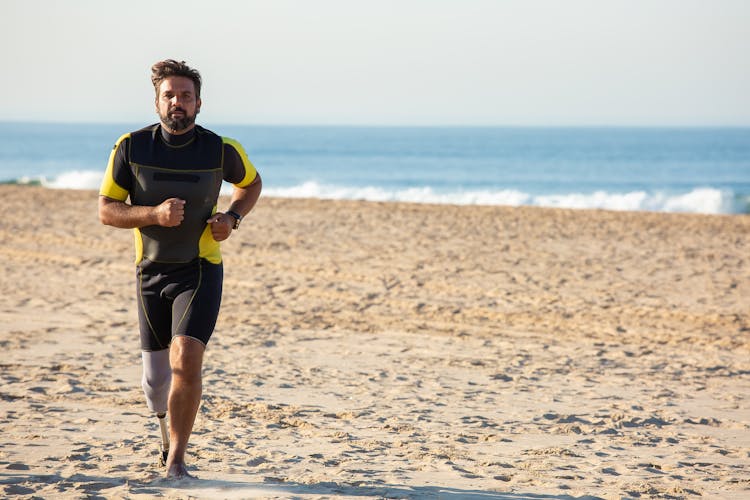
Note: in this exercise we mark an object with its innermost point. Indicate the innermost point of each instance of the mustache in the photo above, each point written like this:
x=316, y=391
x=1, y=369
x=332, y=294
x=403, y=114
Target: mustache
x=177, y=108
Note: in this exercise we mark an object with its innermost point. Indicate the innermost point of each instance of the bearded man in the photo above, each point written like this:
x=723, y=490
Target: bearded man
x=163, y=181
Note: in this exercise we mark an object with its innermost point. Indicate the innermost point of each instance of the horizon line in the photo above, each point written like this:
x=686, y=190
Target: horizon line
x=393, y=125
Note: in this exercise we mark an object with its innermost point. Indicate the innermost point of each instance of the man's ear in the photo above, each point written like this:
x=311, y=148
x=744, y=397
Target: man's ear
x=198, y=103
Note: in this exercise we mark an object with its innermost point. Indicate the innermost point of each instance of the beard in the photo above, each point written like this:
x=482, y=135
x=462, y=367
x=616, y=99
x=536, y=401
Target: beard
x=177, y=124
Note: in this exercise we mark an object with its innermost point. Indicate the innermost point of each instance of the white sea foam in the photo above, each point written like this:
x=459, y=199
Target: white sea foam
x=413, y=195
x=704, y=200
x=699, y=200
x=77, y=179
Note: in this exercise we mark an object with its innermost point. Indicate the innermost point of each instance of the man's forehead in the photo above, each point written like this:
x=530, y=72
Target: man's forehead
x=177, y=83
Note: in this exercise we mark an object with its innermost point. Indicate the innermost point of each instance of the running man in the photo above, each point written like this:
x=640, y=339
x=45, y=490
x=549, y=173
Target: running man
x=163, y=182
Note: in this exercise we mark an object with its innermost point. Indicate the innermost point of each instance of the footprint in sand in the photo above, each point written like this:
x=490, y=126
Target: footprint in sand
x=16, y=489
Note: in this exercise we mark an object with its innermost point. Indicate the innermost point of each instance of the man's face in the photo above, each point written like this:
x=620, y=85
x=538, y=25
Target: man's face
x=177, y=105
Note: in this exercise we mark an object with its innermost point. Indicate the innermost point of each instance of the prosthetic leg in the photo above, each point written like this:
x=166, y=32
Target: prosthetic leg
x=164, y=448
x=157, y=378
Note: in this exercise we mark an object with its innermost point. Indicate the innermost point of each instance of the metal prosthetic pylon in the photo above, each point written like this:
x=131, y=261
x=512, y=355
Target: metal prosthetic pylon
x=164, y=447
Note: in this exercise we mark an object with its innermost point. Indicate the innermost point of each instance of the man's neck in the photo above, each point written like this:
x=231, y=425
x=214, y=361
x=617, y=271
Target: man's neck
x=177, y=139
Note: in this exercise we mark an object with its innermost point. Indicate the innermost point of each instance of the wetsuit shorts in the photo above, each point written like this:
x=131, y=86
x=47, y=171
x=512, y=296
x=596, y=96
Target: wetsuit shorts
x=177, y=299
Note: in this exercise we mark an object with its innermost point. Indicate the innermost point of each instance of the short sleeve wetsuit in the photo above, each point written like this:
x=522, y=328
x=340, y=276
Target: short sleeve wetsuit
x=179, y=269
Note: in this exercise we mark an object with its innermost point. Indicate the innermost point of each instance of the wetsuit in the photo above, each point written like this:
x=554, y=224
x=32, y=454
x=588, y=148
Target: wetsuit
x=178, y=269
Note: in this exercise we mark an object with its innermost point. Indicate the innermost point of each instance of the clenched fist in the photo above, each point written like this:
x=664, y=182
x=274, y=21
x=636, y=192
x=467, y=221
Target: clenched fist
x=170, y=212
x=221, y=226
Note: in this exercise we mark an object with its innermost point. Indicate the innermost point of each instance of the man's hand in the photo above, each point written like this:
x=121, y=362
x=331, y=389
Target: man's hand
x=171, y=212
x=221, y=225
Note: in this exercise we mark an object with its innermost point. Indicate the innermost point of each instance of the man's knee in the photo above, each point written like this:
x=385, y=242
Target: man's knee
x=186, y=358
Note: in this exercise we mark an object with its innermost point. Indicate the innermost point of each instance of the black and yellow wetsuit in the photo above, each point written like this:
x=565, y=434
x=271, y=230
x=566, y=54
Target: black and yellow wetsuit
x=179, y=269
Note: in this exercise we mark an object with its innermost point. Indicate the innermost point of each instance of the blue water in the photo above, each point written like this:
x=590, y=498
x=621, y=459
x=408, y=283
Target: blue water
x=704, y=170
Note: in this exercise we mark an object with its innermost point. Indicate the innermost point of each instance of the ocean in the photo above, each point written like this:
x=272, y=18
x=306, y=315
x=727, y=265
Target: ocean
x=697, y=170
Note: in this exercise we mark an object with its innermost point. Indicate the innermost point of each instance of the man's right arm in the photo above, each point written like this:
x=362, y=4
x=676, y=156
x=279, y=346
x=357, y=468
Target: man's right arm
x=120, y=214
x=115, y=190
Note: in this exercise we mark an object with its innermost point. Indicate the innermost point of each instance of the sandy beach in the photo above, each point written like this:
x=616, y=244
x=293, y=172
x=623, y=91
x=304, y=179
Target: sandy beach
x=386, y=350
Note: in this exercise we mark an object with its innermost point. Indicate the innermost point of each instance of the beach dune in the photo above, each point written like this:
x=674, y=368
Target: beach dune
x=372, y=350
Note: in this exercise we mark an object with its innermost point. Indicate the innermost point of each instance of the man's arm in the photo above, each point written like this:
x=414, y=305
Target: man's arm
x=120, y=214
x=114, y=191
x=243, y=200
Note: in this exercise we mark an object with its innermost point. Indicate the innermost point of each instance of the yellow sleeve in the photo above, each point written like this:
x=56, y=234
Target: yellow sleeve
x=109, y=187
x=250, y=172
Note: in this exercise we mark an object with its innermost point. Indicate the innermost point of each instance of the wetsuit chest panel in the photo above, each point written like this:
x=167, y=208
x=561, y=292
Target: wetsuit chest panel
x=192, y=173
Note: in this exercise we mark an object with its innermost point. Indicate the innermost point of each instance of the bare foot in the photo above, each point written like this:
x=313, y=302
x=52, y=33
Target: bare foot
x=178, y=471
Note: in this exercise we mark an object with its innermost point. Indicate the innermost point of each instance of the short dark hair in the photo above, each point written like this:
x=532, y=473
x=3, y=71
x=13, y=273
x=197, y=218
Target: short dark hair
x=170, y=67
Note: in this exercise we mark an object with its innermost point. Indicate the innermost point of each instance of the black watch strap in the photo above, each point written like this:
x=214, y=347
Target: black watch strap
x=237, y=218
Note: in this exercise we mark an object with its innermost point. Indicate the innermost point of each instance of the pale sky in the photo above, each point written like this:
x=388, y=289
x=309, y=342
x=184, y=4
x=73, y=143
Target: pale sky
x=384, y=62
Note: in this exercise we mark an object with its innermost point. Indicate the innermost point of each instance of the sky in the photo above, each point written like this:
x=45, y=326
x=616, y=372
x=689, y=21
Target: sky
x=384, y=62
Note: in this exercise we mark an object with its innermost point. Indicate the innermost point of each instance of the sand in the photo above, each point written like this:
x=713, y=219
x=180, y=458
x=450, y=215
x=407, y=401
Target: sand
x=383, y=350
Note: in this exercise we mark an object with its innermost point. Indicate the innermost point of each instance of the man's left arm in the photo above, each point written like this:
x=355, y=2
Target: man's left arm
x=247, y=187
x=243, y=201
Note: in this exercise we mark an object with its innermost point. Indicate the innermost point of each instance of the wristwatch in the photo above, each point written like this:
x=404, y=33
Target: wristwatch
x=237, y=218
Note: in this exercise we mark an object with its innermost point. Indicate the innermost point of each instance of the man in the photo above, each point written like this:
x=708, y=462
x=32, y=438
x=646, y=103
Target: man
x=172, y=172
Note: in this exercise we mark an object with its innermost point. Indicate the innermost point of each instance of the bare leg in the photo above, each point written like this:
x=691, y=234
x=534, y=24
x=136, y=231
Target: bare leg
x=186, y=358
